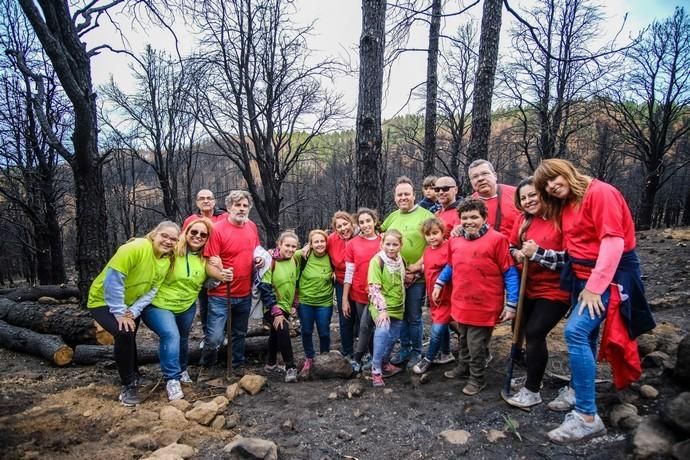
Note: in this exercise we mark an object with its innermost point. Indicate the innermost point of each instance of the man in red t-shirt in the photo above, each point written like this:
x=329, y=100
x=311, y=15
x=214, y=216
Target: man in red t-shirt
x=206, y=207
x=234, y=240
x=446, y=194
x=498, y=198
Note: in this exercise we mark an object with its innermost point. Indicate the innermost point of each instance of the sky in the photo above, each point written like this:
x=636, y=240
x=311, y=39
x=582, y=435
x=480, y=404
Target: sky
x=337, y=26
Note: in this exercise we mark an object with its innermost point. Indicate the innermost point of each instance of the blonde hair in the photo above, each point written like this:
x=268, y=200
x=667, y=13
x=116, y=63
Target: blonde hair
x=342, y=215
x=549, y=170
x=182, y=246
x=430, y=223
x=317, y=231
x=158, y=229
x=287, y=234
x=394, y=233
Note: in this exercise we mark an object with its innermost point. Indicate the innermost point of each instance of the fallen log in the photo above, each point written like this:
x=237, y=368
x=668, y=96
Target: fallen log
x=73, y=323
x=148, y=353
x=50, y=347
x=33, y=293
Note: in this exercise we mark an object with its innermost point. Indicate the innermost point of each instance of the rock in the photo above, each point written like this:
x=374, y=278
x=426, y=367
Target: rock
x=344, y=435
x=681, y=450
x=146, y=415
x=253, y=448
x=331, y=365
x=494, y=435
x=333, y=395
x=646, y=343
x=652, y=438
x=621, y=412
x=387, y=391
x=173, y=416
x=287, y=425
x=252, y=383
x=222, y=403
x=648, y=392
x=357, y=413
x=203, y=413
x=218, y=423
x=668, y=338
x=45, y=300
x=173, y=451
x=655, y=359
x=354, y=390
x=232, y=420
x=165, y=436
x=232, y=391
x=181, y=404
x=425, y=378
x=676, y=412
x=455, y=436
x=682, y=370
x=630, y=423
x=364, y=430
x=143, y=442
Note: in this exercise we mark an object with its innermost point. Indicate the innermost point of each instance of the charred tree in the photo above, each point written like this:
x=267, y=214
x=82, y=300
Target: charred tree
x=49, y=347
x=431, y=111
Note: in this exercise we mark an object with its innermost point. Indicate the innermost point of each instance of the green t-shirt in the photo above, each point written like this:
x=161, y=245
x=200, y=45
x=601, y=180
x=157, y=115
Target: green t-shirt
x=315, y=280
x=142, y=269
x=283, y=277
x=409, y=224
x=182, y=285
x=392, y=287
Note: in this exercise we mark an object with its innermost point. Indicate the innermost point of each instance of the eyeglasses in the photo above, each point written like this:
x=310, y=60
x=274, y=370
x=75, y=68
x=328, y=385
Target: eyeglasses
x=205, y=198
x=481, y=175
x=165, y=236
x=444, y=188
x=198, y=233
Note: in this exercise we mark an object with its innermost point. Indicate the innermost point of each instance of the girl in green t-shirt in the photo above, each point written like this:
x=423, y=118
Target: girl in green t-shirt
x=124, y=288
x=277, y=289
x=315, y=296
x=386, y=303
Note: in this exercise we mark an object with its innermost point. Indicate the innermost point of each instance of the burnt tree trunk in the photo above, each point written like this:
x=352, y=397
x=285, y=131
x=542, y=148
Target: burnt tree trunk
x=372, y=44
x=651, y=186
x=484, y=80
x=50, y=347
x=23, y=294
x=431, y=90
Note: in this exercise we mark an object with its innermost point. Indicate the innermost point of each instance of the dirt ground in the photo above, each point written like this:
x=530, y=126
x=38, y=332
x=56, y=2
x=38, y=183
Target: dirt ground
x=72, y=412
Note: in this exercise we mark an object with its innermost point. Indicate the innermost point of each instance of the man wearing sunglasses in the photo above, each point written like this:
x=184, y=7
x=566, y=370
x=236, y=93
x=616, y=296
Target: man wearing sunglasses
x=499, y=198
x=206, y=207
x=447, y=191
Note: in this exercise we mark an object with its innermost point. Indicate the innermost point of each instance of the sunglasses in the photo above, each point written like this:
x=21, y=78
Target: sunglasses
x=198, y=233
x=445, y=188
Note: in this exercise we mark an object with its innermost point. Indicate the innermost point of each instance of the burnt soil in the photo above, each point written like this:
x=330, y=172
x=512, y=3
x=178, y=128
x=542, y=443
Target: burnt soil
x=72, y=412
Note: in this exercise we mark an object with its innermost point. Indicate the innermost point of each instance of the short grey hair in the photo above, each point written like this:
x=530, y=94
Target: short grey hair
x=238, y=195
x=480, y=162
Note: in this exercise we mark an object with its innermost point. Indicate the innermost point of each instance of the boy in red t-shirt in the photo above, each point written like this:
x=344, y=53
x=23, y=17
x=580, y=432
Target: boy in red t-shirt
x=483, y=276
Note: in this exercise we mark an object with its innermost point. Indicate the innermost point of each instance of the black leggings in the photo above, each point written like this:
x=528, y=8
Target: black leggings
x=279, y=340
x=125, y=348
x=541, y=315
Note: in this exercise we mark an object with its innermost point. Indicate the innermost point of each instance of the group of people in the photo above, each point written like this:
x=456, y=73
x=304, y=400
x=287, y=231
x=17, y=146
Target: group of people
x=573, y=234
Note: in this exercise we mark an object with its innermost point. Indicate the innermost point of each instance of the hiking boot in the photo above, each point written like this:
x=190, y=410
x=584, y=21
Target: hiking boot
x=414, y=359
x=377, y=380
x=444, y=358
x=400, y=357
x=565, y=400
x=422, y=366
x=306, y=368
x=291, y=375
x=389, y=370
x=473, y=388
x=574, y=429
x=129, y=396
x=458, y=372
x=174, y=390
x=185, y=378
x=524, y=398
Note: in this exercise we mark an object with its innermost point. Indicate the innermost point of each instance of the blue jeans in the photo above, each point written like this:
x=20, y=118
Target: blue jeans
x=581, y=333
x=215, y=324
x=412, y=327
x=349, y=327
x=384, y=338
x=173, y=331
x=309, y=314
x=440, y=340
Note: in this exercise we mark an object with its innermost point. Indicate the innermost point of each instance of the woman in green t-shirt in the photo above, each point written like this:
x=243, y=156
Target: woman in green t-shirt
x=172, y=311
x=315, y=296
x=124, y=288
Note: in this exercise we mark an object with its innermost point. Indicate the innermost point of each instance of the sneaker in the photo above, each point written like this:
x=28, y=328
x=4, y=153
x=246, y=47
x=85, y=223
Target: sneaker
x=185, y=378
x=444, y=358
x=458, y=372
x=273, y=368
x=389, y=370
x=377, y=380
x=518, y=382
x=473, y=388
x=291, y=375
x=565, y=400
x=400, y=357
x=366, y=364
x=129, y=396
x=356, y=366
x=306, y=368
x=524, y=398
x=574, y=429
x=422, y=366
x=488, y=360
x=414, y=359
x=174, y=390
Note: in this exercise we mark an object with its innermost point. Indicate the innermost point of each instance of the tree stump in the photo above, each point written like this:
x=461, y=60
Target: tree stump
x=50, y=347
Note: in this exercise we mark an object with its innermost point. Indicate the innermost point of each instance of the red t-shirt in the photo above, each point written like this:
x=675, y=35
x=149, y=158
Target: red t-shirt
x=542, y=283
x=434, y=261
x=359, y=251
x=603, y=212
x=478, y=289
x=213, y=219
x=235, y=246
x=336, y=251
x=450, y=217
x=509, y=212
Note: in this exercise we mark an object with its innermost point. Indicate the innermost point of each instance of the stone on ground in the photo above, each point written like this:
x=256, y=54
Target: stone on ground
x=676, y=412
x=455, y=436
x=652, y=438
x=331, y=365
x=173, y=452
x=252, y=383
x=254, y=448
